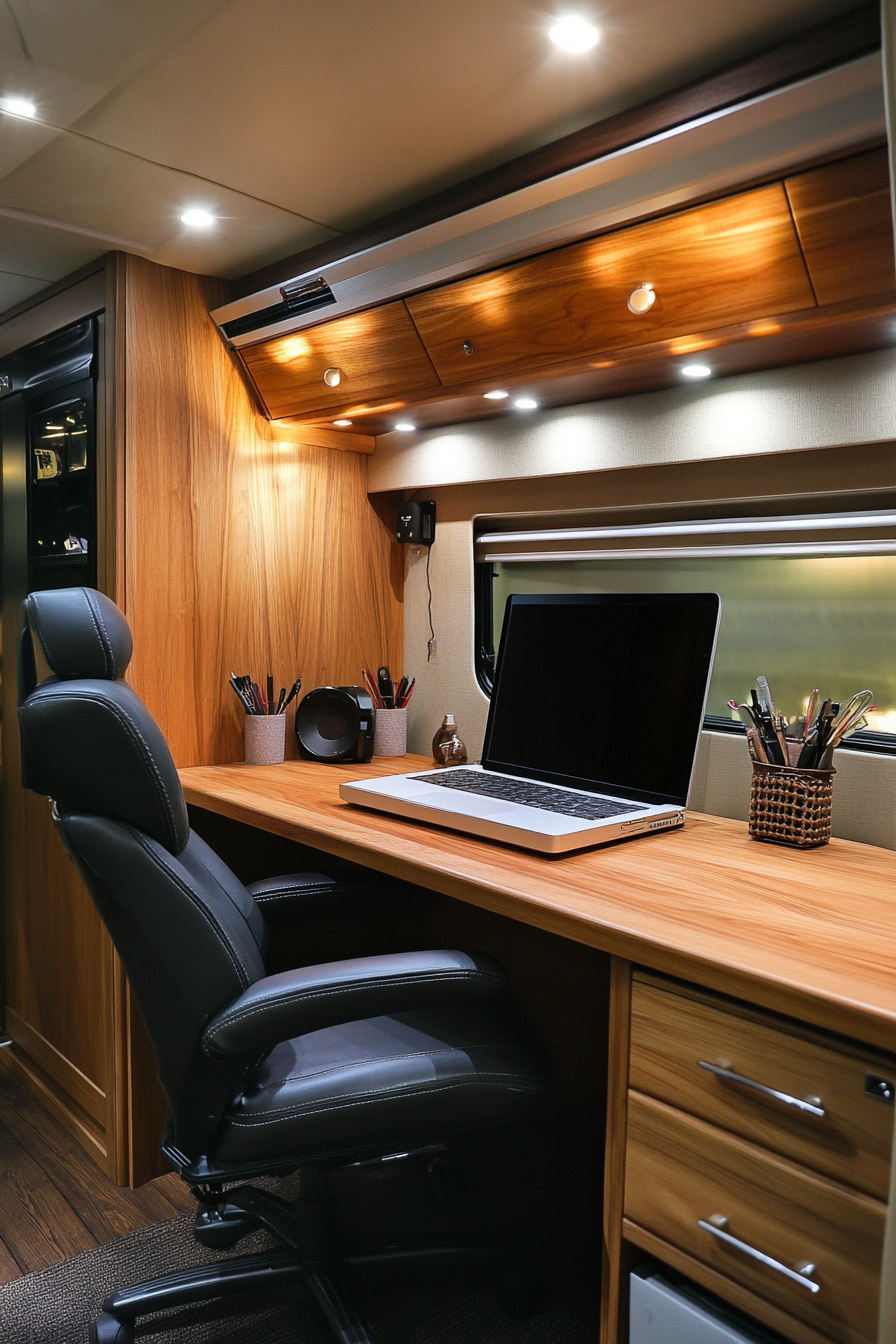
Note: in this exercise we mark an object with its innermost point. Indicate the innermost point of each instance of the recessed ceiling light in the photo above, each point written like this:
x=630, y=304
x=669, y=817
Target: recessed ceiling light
x=197, y=219
x=526, y=404
x=405, y=426
x=342, y=424
x=497, y=395
x=696, y=371
x=19, y=107
x=573, y=33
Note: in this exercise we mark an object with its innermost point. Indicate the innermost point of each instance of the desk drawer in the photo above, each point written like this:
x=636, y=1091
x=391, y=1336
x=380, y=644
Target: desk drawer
x=681, y=1172
x=850, y=1142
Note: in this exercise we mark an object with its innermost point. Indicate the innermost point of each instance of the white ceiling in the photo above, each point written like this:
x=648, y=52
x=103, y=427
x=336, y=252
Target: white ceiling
x=294, y=120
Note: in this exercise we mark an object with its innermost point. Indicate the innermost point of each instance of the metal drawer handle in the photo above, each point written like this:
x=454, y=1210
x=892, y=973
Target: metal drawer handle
x=724, y=1071
x=799, y=1275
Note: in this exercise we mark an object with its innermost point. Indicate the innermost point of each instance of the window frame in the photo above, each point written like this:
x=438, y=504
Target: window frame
x=484, y=656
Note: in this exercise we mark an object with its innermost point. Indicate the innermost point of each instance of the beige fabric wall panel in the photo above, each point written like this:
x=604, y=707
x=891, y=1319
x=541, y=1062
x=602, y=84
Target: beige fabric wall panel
x=832, y=402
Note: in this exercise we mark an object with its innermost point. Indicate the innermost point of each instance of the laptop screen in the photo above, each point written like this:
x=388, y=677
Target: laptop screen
x=603, y=691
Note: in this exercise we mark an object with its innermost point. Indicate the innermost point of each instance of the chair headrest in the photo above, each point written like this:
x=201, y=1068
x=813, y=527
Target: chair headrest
x=88, y=741
x=81, y=632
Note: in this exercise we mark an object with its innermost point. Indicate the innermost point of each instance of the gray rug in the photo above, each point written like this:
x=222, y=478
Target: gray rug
x=444, y=1306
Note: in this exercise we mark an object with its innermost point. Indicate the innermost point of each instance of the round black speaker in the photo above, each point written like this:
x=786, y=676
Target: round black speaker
x=336, y=723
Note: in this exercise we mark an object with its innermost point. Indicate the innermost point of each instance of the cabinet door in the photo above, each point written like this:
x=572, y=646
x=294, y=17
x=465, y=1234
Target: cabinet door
x=843, y=216
x=378, y=354
x=713, y=266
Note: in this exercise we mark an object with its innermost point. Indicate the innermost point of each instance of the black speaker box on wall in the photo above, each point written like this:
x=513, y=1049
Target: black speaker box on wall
x=336, y=723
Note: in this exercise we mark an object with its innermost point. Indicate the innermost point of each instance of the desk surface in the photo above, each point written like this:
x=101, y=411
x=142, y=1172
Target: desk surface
x=811, y=933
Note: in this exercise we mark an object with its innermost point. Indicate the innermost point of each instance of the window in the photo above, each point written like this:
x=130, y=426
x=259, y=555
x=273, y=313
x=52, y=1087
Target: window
x=807, y=600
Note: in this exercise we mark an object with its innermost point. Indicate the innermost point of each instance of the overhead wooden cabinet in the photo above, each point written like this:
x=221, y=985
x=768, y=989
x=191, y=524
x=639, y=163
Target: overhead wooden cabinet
x=713, y=266
x=843, y=216
x=375, y=354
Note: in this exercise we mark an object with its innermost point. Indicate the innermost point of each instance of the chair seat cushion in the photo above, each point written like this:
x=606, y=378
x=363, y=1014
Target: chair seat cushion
x=383, y=1080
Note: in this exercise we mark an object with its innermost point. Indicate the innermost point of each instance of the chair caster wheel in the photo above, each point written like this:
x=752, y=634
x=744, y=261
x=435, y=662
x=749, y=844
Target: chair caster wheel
x=106, y=1330
x=522, y=1289
x=221, y=1228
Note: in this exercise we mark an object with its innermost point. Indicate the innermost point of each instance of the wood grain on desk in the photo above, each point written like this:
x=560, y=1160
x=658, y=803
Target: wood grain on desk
x=812, y=934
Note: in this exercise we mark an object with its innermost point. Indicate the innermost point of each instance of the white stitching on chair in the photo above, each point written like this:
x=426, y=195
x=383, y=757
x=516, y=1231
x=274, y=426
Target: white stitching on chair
x=103, y=633
x=74, y=693
x=229, y=1019
x=370, y=1099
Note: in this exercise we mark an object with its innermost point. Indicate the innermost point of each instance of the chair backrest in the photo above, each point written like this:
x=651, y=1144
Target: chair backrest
x=189, y=934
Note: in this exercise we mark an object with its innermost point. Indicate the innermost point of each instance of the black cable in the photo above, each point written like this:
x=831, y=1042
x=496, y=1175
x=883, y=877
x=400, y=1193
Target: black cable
x=432, y=633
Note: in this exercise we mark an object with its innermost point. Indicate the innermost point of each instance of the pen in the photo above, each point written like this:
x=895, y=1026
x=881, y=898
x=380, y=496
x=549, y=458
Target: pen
x=408, y=693
x=297, y=686
x=270, y=693
x=372, y=688
x=256, y=696
x=387, y=687
x=244, y=701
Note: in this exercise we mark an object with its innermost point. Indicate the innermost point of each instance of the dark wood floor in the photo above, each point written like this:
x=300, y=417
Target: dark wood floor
x=54, y=1201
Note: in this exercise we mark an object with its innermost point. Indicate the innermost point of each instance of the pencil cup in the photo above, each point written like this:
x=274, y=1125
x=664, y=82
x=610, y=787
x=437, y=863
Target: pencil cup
x=790, y=806
x=265, y=739
x=390, y=736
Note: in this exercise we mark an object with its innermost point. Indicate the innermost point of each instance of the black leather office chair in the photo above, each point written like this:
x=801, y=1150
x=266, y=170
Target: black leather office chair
x=263, y=1074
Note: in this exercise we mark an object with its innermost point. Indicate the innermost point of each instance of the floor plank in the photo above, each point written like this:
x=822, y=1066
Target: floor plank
x=9, y=1266
x=106, y=1209
x=39, y=1226
x=56, y=1201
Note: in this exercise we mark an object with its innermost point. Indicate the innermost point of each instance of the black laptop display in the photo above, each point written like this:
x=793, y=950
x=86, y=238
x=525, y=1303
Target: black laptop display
x=593, y=727
x=603, y=691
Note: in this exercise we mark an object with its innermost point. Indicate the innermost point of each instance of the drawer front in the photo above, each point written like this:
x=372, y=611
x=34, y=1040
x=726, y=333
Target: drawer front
x=681, y=1172
x=378, y=354
x=724, y=263
x=851, y=1142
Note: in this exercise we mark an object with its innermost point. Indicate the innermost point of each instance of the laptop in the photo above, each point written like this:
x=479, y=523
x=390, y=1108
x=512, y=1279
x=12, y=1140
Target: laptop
x=593, y=728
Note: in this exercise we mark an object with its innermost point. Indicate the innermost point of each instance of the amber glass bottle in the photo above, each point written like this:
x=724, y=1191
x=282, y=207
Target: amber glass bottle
x=447, y=748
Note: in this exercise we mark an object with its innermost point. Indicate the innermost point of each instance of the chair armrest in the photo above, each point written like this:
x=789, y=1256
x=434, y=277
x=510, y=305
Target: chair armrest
x=295, y=1002
x=312, y=895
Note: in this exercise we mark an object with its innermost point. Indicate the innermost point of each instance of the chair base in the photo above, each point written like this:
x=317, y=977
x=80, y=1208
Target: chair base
x=309, y=1257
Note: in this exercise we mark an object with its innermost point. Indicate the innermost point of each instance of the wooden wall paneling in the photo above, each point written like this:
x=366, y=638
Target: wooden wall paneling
x=245, y=553
x=614, y=1293
x=293, y=431
x=843, y=216
x=727, y=262
x=378, y=352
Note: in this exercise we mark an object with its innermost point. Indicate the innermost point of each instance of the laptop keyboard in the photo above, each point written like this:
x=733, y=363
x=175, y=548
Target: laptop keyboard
x=530, y=794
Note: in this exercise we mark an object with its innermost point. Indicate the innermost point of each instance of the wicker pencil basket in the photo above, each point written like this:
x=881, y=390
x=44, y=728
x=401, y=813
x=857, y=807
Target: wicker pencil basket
x=789, y=806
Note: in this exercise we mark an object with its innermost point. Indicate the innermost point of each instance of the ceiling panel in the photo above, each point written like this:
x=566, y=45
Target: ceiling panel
x=100, y=41
x=342, y=110
x=138, y=205
x=44, y=254
x=15, y=288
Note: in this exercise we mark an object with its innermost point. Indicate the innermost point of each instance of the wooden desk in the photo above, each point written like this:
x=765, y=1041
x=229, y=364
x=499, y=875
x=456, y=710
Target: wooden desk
x=811, y=935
